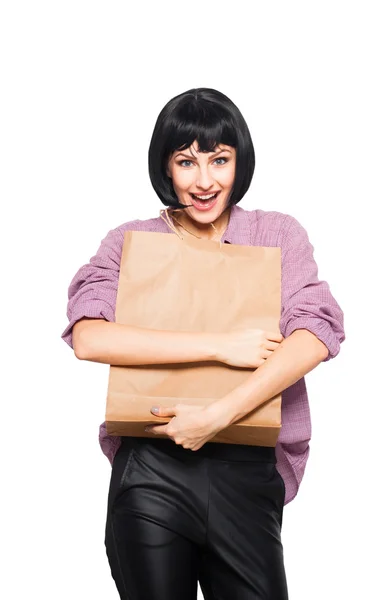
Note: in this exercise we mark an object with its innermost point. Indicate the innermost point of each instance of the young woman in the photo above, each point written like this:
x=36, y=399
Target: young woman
x=181, y=509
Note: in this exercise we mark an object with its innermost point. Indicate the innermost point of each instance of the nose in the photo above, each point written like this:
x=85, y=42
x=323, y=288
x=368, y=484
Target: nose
x=205, y=179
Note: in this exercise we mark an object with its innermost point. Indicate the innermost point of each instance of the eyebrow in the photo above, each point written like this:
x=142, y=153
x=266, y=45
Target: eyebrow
x=191, y=157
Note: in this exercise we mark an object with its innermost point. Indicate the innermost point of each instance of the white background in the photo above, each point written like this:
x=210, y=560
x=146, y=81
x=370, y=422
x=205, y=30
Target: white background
x=82, y=85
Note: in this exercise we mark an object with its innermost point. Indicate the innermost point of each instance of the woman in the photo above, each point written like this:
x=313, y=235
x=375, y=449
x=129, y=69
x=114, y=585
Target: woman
x=181, y=509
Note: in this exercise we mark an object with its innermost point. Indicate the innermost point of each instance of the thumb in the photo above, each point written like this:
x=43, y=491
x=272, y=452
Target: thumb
x=163, y=411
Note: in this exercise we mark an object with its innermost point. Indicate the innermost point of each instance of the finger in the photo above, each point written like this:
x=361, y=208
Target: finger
x=273, y=336
x=266, y=353
x=163, y=411
x=157, y=429
x=271, y=345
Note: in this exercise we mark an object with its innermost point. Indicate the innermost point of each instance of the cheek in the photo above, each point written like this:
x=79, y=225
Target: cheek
x=231, y=175
x=226, y=176
x=181, y=179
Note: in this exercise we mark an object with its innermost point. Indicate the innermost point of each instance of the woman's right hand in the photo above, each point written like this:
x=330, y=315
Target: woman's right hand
x=248, y=348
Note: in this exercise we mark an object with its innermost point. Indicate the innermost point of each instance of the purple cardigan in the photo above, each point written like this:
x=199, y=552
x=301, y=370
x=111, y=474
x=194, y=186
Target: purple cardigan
x=306, y=304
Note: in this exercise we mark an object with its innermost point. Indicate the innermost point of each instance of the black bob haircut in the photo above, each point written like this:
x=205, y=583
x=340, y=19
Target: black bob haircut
x=211, y=118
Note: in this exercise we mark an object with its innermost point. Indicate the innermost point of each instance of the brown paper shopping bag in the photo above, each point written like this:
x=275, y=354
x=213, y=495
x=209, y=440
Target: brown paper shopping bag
x=191, y=284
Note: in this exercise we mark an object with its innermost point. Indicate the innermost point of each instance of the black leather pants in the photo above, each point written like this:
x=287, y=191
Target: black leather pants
x=178, y=517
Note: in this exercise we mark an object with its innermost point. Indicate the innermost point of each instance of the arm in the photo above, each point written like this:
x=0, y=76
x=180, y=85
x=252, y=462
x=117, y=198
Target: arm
x=301, y=352
x=311, y=323
x=115, y=344
x=94, y=335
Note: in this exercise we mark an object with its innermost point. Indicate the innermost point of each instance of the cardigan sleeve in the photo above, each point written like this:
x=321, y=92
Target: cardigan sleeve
x=93, y=290
x=307, y=302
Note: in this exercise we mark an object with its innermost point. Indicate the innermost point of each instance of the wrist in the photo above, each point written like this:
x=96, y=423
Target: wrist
x=212, y=343
x=219, y=413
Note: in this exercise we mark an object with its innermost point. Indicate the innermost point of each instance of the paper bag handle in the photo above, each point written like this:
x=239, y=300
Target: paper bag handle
x=171, y=225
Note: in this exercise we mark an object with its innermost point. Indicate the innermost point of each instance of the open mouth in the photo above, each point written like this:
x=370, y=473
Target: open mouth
x=204, y=200
x=206, y=197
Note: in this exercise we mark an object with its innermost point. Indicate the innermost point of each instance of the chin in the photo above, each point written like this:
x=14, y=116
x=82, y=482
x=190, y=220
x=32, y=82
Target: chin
x=205, y=216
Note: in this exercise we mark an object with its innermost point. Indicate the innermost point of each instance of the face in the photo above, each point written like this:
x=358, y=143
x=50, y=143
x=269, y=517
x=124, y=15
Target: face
x=203, y=181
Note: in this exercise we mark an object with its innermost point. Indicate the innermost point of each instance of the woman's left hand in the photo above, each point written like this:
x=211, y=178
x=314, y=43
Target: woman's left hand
x=191, y=426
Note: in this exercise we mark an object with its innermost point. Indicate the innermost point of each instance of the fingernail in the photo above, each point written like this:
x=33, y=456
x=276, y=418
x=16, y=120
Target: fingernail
x=147, y=428
x=155, y=409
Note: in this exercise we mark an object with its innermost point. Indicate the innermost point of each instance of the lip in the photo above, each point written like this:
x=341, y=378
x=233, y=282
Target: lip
x=199, y=206
x=205, y=194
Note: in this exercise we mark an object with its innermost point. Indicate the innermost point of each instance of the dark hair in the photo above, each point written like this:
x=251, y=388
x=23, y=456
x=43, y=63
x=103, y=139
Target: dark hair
x=211, y=118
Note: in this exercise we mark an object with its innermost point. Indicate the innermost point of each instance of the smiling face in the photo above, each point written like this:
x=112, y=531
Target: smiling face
x=203, y=180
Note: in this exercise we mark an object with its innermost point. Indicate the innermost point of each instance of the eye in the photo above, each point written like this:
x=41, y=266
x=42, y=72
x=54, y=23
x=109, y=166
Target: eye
x=187, y=163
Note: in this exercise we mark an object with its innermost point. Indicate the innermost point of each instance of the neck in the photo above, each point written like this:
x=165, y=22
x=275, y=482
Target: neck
x=203, y=230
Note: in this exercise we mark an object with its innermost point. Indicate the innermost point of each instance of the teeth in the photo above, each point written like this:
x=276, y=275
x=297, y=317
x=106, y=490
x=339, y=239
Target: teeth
x=204, y=197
